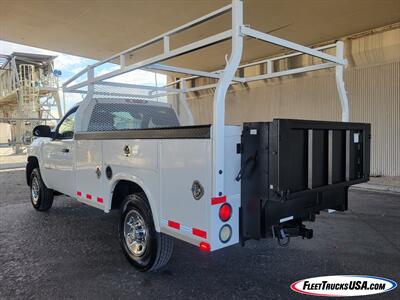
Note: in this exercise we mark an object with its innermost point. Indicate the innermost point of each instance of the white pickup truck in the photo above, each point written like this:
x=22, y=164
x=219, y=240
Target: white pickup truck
x=212, y=185
x=133, y=156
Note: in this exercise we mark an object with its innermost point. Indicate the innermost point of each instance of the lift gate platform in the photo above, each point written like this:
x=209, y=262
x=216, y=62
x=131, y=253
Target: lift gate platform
x=293, y=169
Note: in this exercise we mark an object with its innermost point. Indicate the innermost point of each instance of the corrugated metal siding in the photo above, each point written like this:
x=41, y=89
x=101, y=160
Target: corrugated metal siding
x=374, y=96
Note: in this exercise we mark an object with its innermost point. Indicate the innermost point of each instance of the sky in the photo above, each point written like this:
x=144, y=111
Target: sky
x=69, y=65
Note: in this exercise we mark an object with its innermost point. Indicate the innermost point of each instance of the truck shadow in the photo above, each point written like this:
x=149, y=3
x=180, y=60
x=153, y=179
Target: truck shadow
x=78, y=246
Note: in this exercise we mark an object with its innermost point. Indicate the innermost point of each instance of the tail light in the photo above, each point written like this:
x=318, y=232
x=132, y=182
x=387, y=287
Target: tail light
x=225, y=212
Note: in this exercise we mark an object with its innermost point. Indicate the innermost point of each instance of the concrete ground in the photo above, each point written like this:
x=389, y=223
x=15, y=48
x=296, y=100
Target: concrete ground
x=384, y=183
x=72, y=251
x=10, y=160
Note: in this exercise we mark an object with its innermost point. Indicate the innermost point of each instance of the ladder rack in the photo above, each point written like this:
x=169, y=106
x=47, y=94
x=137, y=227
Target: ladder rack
x=225, y=77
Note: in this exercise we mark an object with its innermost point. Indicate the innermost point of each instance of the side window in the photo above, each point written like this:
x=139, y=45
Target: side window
x=66, y=128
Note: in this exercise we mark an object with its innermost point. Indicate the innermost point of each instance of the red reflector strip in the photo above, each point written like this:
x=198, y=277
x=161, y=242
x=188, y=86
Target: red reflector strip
x=88, y=196
x=200, y=233
x=99, y=199
x=79, y=194
x=205, y=247
x=174, y=224
x=218, y=200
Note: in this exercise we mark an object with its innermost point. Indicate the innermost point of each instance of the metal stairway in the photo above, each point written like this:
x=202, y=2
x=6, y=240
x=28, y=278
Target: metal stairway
x=29, y=94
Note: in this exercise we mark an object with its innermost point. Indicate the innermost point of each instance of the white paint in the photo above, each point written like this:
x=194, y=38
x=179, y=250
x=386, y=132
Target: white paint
x=286, y=219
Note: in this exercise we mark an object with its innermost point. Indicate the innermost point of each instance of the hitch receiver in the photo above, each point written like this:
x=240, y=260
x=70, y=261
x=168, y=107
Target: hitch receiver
x=292, y=229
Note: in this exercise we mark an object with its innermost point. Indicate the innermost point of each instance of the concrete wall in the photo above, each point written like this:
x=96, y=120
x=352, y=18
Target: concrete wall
x=373, y=85
x=5, y=133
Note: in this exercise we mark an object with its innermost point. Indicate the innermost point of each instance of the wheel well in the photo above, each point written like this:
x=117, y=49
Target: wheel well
x=32, y=164
x=123, y=189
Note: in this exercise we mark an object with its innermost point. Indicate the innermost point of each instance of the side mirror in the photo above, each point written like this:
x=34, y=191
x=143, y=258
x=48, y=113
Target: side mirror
x=42, y=131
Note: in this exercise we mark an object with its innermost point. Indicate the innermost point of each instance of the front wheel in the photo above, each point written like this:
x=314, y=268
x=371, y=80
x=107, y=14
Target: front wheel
x=41, y=196
x=144, y=247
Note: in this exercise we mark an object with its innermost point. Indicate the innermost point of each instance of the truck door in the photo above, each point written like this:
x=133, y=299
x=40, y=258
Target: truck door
x=58, y=156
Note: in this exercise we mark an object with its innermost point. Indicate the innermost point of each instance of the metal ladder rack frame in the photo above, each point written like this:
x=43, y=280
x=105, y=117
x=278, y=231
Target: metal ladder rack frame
x=225, y=77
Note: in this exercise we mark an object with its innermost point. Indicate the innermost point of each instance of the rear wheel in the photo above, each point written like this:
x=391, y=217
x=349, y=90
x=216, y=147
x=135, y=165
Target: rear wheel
x=144, y=247
x=41, y=196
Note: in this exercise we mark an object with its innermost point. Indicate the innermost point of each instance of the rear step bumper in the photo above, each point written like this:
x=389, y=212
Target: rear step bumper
x=293, y=169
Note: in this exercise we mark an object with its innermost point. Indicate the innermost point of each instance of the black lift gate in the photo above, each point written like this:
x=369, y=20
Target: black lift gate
x=293, y=169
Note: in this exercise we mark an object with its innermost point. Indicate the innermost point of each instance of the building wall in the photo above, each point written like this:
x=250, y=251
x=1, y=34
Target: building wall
x=5, y=133
x=373, y=86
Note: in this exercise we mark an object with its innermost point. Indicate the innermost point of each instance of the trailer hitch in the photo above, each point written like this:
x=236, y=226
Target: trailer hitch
x=283, y=232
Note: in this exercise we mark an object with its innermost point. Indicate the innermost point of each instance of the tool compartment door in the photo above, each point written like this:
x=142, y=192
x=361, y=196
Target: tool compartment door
x=185, y=164
x=89, y=172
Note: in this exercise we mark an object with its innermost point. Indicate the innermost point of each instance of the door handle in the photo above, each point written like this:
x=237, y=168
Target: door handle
x=65, y=150
x=127, y=150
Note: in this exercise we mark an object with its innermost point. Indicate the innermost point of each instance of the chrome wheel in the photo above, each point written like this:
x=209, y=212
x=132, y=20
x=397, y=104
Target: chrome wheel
x=135, y=233
x=35, y=190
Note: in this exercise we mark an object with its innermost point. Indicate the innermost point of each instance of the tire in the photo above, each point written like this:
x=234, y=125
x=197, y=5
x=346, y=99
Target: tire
x=41, y=196
x=144, y=247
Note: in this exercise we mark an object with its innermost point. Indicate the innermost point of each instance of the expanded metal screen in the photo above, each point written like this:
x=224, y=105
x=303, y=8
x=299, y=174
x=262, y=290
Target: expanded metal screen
x=118, y=106
x=123, y=114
